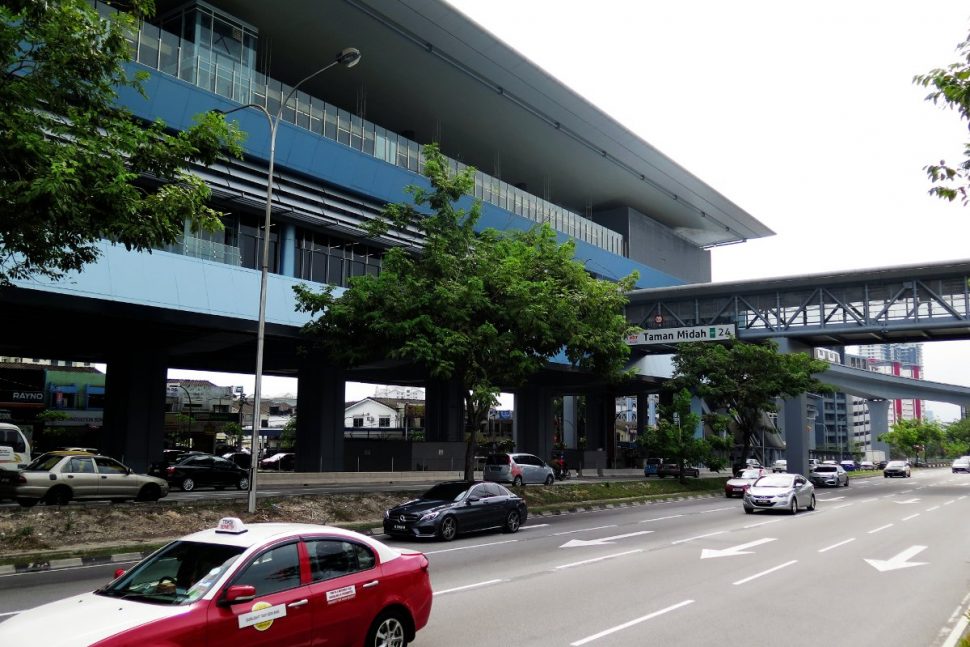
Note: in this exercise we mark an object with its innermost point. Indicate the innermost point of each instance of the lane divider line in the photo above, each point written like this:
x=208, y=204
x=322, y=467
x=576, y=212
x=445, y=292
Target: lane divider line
x=598, y=559
x=451, y=550
x=875, y=530
x=569, y=532
x=467, y=586
x=841, y=543
x=631, y=623
x=770, y=570
x=710, y=534
x=912, y=516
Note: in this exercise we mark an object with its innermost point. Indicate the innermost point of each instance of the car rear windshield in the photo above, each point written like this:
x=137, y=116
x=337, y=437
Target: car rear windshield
x=826, y=468
x=44, y=463
x=497, y=459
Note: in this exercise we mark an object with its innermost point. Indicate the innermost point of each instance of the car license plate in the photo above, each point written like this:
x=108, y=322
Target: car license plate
x=400, y=526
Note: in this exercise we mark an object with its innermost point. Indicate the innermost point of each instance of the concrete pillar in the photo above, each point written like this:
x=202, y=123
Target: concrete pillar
x=533, y=421
x=697, y=408
x=598, y=433
x=134, y=407
x=796, y=428
x=320, y=417
x=444, y=409
x=644, y=413
x=288, y=250
x=569, y=421
x=879, y=423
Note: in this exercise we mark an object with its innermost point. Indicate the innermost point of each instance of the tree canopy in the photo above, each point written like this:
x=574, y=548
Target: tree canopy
x=73, y=160
x=744, y=380
x=674, y=440
x=951, y=88
x=910, y=437
x=488, y=309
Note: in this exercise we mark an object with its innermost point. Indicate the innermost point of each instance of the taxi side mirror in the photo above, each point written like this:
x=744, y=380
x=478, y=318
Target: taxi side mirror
x=239, y=593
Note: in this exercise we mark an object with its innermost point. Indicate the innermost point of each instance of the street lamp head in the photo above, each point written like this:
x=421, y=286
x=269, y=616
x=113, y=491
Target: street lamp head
x=348, y=57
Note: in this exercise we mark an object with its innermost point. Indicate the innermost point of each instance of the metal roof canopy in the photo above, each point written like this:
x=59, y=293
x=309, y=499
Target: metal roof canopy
x=429, y=70
x=924, y=302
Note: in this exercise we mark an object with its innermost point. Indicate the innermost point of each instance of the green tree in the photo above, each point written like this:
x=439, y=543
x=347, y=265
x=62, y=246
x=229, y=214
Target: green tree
x=951, y=89
x=744, y=380
x=487, y=309
x=956, y=438
x=674, y=436
x=288, y=435
x=910, y=437
x=73, y=160
x=234, y=434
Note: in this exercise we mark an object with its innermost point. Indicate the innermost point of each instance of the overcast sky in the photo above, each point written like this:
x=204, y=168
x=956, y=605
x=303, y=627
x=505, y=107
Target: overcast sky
x=803, y=114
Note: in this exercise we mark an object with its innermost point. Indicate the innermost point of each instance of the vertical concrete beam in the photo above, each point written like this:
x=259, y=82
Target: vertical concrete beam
x=569, y=421
x=320, y=417
x=644, y=412
x=879, y=423
x=444, y=408
x=533, y=421
x=288, y=250
x=599, y=421
x=796, y=428
x=134, y=406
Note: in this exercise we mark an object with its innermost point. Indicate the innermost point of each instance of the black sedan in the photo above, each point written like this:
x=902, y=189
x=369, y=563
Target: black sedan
x=203, y=470
x=454, y=507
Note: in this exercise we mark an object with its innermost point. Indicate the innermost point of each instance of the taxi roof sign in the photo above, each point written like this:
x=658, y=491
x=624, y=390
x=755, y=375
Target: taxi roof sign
x=231, y=525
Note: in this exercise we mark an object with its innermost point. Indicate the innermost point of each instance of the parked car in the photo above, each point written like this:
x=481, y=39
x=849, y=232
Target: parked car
x=517, y=469
x=203, y=470
x=812, y=462
x=651, y=466
x=57, y=478
x=881, y=465
x=961, y=465
x=827, y=474
x=780, y=465
x=780, y=492
x=242, y=459
x=246, y=585
x=867, y=465
x=848, y=465
x=897, y=468
x=673, y=469
x=737, y=485
x=282, y=462
x=454, y=507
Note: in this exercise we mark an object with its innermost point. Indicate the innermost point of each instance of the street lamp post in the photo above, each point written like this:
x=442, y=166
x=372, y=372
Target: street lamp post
x=348, y=57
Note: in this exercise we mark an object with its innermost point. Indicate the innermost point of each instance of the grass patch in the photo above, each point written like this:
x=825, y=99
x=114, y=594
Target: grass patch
x=566, y=495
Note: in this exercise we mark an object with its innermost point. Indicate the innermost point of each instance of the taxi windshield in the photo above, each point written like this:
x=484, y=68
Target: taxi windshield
x=179, y=573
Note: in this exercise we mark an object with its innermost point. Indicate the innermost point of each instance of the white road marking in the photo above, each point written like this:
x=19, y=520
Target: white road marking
x=912, y=516
x=531, y=527
x=451, y=550
x=673, y=516
x=573, y=543
x=710, y=534
x=718, y=509
x=762, y=523
x=841, y=543
x=898, y=561
x=936, y=507
x=598, y=559
x=875, y=498
x=10, y=613
x=569, y=532
x=904, y=492
x=627, y=625
x=829, y=500
x=907, y=501
x=467, y=586
x=770, y=570
x=950, y=501
x=844, y=505
x=875, y=530
x=709, y=553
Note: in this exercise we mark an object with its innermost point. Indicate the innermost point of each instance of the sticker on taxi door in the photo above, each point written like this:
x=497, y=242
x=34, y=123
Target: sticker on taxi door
x=344, y=593
x=262, y=616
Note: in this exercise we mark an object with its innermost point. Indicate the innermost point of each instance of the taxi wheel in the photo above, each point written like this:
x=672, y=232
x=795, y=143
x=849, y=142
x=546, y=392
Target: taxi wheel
x=243, y=483
x=517, y=481
x=513, y=520
x=550, y=479
x=58, y=496
x=150, y=493
x=187, y=485
x=811, y=506
x=389, y=630
x=448, y=529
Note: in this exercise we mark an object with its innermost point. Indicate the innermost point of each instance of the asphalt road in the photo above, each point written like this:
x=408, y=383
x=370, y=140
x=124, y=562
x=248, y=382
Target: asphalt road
x=882, y=561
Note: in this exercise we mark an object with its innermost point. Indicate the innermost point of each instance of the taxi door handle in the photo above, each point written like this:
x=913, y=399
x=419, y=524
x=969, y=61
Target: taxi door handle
x=293, y=605
x=370, y=584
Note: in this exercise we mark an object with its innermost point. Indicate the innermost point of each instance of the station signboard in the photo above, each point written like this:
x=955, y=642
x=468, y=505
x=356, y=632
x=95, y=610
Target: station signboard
x=667, y=336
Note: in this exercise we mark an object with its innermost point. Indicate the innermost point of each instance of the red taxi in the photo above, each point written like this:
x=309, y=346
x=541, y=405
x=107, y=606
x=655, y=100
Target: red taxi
x=740, y=483
x=262, y=584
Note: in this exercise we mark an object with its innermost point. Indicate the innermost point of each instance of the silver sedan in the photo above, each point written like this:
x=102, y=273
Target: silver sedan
x=780, y=492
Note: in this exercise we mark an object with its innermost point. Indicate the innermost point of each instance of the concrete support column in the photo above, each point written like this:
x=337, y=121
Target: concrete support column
x=599, y=434
x=796, y=427
x=533, y=421
x=697, y=408
x=288, y=249
x=134, y=407
x=320, y=417
x=879, y=423
x=444, y=408
x=569, y=421
x=644, y=411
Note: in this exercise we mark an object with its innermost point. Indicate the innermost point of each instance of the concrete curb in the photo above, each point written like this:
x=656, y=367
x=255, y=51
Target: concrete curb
x=118, y=558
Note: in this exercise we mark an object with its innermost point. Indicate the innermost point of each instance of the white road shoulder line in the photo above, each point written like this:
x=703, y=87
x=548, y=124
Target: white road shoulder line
x=569, y=532
x=770, y=570
x=627, y=625
x=468, y=586
x=841, y=543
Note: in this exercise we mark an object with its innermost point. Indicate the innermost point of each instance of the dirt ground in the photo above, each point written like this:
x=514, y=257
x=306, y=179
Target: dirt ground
x=24, y=531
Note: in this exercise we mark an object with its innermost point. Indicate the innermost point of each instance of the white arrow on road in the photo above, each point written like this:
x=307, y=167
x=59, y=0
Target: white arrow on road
x=905, y=502
x=898, y=561
x=734, y=550
x=573, y=543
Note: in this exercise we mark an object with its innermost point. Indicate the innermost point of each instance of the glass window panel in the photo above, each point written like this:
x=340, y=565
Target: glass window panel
x=335, y=270
x=289, y=112
x=302, y=103
x=148, y=46
x=356, y=133
x=391, y=155
x=343, y=127
x=316, y=116
x=413, y=156
x=274, y=95
x=380, y=143
x=330, y=122
x=169, y=54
